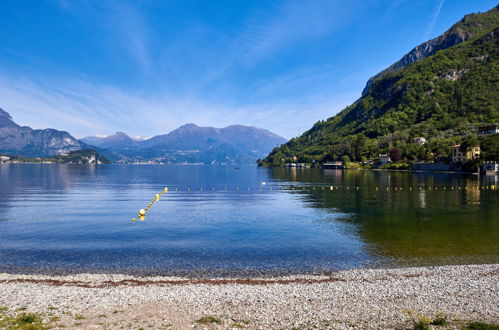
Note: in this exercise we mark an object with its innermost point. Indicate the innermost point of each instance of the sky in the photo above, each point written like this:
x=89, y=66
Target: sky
x=95, y=67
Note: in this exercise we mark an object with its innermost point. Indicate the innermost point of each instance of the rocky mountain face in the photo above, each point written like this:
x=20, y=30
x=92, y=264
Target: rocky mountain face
x=25, y=141
x=469, y=27
x=190, y=143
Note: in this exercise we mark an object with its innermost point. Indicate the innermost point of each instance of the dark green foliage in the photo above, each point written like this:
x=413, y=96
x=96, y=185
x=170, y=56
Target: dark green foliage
x=481, y=326
x=421, y=325
x=489, y=145
x=81, y=157
x=444, y=98
x=439, y=321
x=208, y=320
x=86, y=156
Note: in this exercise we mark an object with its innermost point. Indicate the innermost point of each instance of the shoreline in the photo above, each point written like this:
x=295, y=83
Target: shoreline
x=364, y=298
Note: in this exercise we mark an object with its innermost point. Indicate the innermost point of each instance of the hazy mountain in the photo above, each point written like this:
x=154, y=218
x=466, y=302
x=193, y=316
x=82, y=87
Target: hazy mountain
x=92, y=140
x=443, y=97
x=28, y=142
x=194, y=144
x=469, y=27
x=117, y=140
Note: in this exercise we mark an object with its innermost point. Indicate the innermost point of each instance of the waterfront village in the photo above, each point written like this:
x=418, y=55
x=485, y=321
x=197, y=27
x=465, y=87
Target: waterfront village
x=462, y=158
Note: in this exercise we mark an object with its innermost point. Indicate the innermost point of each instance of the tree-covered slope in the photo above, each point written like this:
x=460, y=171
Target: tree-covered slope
x=443, y=98
x=469, y=27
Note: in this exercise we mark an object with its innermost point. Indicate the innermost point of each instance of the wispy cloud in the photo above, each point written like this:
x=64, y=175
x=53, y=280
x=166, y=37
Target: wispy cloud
x=124, y=24
x=292, y=23
x=432, y=22
x=263, y=37
x=89, y=109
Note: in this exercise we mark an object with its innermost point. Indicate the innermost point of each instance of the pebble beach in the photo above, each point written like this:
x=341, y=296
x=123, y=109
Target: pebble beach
x=361, y=298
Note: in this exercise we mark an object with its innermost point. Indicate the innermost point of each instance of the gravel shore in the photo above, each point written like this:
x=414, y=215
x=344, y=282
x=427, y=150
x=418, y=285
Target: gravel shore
x=365, y=298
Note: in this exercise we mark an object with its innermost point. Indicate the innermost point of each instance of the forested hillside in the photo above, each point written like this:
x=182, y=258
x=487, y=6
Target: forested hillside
x=444, y=98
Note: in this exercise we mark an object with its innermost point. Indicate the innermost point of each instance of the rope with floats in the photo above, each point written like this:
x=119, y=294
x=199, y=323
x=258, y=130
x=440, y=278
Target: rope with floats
x=142, y=212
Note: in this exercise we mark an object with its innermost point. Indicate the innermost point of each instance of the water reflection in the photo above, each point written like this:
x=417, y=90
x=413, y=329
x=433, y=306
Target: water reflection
x=428, y=224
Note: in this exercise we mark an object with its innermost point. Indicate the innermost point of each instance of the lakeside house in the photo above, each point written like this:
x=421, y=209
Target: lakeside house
x=490, y=168
x=384, y=159
x=4, y=159
x=459, y=157
x=337, y=165
x=491, y=129
x=299, y=165
x=419, y=139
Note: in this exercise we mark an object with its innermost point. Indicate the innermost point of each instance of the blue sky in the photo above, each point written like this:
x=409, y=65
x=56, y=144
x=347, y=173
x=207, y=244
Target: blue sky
x=94, y=67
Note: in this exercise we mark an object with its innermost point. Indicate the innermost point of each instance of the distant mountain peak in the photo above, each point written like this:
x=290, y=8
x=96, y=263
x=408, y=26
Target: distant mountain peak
x=4, y=114
x=123, y=134
x=6, y=119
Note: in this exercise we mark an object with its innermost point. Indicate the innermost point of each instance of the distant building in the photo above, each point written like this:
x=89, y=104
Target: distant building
x=384, y=159
x=419, y=139
x=491, y=129
x=4, y=159
x=459, y=156
x=490, y=168
x=334, y=166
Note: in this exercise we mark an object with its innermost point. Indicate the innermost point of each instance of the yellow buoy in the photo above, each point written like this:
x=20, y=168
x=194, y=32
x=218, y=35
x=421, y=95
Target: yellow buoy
x=142, y=217
x=133, y=219
x=142, y=212
x=157, y=196
x=165, y=190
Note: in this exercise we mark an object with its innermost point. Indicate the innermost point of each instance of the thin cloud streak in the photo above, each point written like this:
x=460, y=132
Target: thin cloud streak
x=432, y=22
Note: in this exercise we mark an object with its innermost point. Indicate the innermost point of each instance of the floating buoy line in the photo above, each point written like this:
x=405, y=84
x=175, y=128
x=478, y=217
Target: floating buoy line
x=142, y=212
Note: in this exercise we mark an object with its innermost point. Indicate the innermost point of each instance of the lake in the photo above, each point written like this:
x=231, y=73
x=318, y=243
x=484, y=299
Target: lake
x=248, y=221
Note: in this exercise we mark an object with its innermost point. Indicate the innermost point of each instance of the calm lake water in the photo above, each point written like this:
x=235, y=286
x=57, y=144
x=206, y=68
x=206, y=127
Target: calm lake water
x=76, y=218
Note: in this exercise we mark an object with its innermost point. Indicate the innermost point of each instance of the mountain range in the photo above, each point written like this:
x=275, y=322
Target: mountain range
x=190, y=143
x=442, y=90
x=25, y=141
